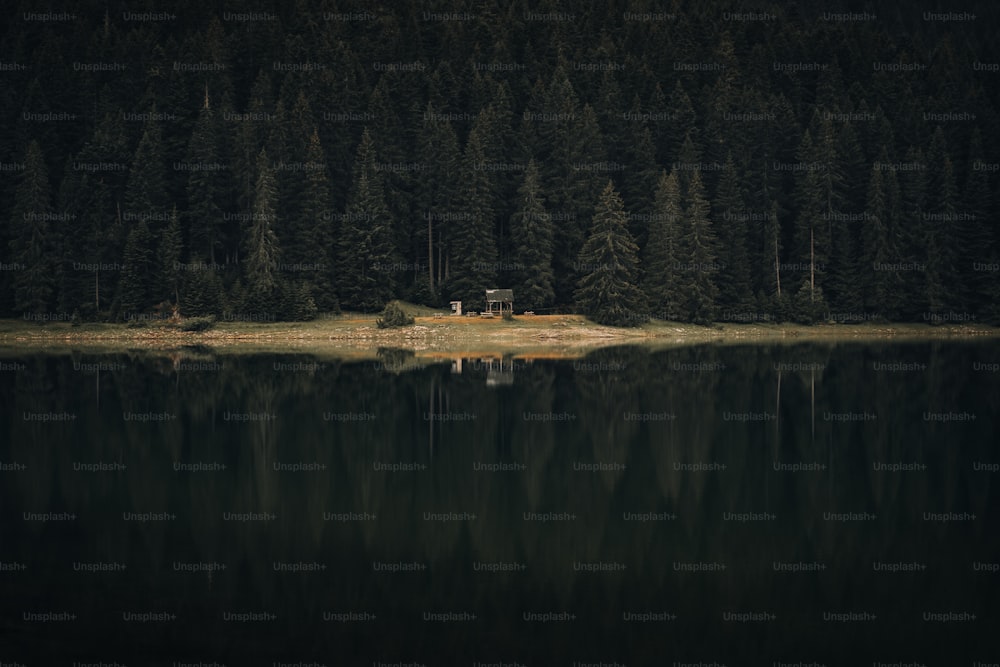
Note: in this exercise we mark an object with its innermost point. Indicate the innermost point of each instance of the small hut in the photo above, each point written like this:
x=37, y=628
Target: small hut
x=500, y=301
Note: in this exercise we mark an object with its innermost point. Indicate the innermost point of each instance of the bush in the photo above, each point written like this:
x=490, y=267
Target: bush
x=393, y=316
x=299, y=303
x=808, y=306
x=508, y=316
x=198, y=324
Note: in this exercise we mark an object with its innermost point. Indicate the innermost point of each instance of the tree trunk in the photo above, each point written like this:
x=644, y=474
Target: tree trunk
x=812, y=267
x=777, y=263
x=430, y=251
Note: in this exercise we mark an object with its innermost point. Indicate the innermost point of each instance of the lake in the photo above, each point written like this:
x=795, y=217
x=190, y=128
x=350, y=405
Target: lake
x=740, y=505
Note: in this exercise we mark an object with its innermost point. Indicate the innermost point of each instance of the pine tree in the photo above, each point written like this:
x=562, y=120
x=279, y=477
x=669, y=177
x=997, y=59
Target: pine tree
x=939, y=233
x=574, y=176
x=879, y=278
x=31, y=241
x=688, y=159
x=309, y=251
x=608, y=291
x=641, y=173
x=531, y=230
x=729, y=217
x=135, y=289
x=942, y=230
x=207, y=186
x=249, y=138
x=911, y=239
x=771, y=240
x=977, y=240
x=845, y=283
x=684, y=126
x=437, y=196
x=169, y=256
x=661, y=255
x=147, y=183
x=475, y=256
x=295, y=161
x=202, y=292
x=365, y=248
x=811, y=231
x=97, y=236
x=698, y=248
x=262, y=247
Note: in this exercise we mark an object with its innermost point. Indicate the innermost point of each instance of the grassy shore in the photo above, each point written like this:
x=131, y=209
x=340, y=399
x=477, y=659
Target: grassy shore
x=436, y=331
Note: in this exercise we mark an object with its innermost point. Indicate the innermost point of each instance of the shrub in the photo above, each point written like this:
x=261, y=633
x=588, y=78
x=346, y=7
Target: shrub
x=808, y=305
x=393, y=316
x=299, y=304
x=198, y=324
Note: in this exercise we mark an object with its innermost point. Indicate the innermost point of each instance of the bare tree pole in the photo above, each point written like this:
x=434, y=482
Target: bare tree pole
x=430, y=250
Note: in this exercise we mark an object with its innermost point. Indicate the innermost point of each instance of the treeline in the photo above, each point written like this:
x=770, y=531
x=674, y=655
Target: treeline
x=629, y=161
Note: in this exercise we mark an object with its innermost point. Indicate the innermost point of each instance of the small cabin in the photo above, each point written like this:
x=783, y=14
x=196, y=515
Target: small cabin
x=500, y=301
x=456, y=307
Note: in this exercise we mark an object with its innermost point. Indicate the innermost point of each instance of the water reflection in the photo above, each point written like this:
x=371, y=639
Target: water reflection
x=734, y=504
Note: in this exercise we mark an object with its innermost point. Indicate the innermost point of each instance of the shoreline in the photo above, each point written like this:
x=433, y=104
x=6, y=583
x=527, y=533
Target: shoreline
x=559, y=334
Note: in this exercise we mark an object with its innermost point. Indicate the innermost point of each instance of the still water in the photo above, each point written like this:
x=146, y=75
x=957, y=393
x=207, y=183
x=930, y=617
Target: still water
x=738, y=505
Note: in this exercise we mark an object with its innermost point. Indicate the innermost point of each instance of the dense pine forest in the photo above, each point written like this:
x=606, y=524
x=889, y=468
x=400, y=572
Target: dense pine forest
x=688, y=161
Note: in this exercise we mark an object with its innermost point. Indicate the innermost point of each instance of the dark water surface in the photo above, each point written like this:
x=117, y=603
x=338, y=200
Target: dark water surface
x=745, y=505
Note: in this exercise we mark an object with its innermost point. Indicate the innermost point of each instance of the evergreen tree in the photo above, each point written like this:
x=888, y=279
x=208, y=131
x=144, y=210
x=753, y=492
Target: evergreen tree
x=662, y=254
x=93, y=202
x=641, y=173
x=939, y=235
x=698, y=248
x=771, y=240
x=575, y=173
x=437, y=197
x=169, y=256
x=845, y=282
x=531, y=230
x=136, y=286
x=977, y=242
x=207, y=186
x=879, y=277
x=262, y=247
x=608, y=263
x=684, y=122
x=296, y=162
x=147, y=183
x=811, y=231
x=309, y=250
x=942, y=230
x=911, y=239
x=365, y=248
x=202, y=291
x=688, y=159
x=475, y=256
x=31, y=245
x=729, y=217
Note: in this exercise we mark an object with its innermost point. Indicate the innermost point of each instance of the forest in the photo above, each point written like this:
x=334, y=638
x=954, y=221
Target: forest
x=686, y=161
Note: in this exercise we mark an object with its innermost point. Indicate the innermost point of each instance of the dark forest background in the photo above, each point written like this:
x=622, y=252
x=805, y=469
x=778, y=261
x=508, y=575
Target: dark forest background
x=270, y=160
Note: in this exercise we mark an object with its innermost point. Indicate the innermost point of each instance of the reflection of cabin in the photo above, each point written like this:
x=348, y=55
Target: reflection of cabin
x=496, y=374
x=500, y=301
x=499, y=369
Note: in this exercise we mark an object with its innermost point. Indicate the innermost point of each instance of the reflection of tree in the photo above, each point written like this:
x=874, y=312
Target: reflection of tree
x=695, y=384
